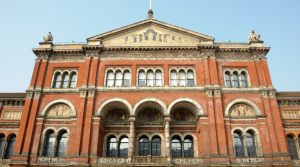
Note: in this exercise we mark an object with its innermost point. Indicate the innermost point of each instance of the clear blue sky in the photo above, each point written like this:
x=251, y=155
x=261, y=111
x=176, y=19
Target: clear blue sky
x=24, y=23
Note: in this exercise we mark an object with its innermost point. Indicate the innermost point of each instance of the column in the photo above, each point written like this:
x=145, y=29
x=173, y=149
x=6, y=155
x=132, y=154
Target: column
x=131, y=136
x=167, y=138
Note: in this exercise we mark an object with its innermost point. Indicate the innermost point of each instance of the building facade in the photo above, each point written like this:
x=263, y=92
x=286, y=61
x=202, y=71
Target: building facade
x=150, y=94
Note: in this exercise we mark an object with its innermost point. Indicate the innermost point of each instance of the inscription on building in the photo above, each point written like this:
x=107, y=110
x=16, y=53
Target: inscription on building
x=11, y=115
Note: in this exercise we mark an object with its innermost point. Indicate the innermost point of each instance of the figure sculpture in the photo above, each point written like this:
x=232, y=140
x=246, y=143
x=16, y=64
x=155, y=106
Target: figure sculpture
x=253, y=36
x=48, y=38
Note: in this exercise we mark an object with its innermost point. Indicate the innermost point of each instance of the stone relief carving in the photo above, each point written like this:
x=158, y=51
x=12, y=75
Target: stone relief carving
x=249, y=160
x=290, y=114
x=151, y=36
x=50, y=159
x=152, y=55
x=253, y=36
x=112, y=160
x=187, y=160
x=48, y=38
x=42, y=56
x=11, y=115
x=241, y=110
x=59, y=110
x=57, y=122
x=244, y=122
x=150, y=116
x=67, y=56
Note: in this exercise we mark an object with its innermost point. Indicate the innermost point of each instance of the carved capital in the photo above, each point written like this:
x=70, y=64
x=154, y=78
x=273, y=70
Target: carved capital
x=264, y=94
x=258, y=55
x=92, y=54
x=42, y=56
x=206, y=54
x=37, y=95
x=91, y=94
x=208, y=93
x=217, y=93
x=83, y=94
x=29, y=95
x=272, y=94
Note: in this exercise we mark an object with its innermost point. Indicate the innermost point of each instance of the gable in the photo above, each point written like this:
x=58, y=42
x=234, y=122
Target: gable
x=150, y=33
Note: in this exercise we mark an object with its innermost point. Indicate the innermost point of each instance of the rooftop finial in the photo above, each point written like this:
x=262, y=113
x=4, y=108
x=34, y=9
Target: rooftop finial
x=150, y=13
x=150, y=4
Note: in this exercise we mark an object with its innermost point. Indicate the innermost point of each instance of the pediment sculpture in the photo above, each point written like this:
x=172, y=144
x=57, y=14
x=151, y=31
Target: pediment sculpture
x=253, y=36
x=48, y=38
x=240, y=110
x=151, y=36
x=59, y=110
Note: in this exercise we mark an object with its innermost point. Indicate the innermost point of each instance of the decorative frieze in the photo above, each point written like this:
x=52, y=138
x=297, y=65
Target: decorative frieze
x=187, y=161
x=11, y=115
x=42, y=56
x=59, y=110
x=112, y=160
x=12, y=103
x=249, y=160
x=57, y=122
x=151, y=55
x=67, y=56
x=208, y=93
x=50, y=160
x=290, y=114
x=288, y=102
x=243, y=122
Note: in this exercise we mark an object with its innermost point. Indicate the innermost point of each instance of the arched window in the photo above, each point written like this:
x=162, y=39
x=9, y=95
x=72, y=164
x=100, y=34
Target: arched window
x=158, y=78
x=126, y=78
x=57, y=80
x=110, y=79
x=2, y=144
x=142, y=78
x=73, y=80
x=111, y=147
x=250, y=142
x=188, y=147
x=236, y=80
x=228, y=80
x=123, y=148
x=176, y=147
x=156, y=147
x=49, y=147
x=173, y=78
x=150, y=78
x=181, y=78
x=118, y=78
x=65, y=80
x=292, y=147
x=61, y=144
x=190, y=78
x=244, y=79
x=238, y=144
x=144, y=146
x=10, y=147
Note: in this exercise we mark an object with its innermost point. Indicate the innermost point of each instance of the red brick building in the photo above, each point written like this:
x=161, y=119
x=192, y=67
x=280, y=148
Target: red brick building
x=150, y=94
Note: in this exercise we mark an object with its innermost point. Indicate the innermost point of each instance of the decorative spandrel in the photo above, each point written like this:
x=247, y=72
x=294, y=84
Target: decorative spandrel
x=116, y=116
x=290, y=114
x=59, y=110
x=241, y=110
x=152, y=36
x=149, y=116
x=11, y=115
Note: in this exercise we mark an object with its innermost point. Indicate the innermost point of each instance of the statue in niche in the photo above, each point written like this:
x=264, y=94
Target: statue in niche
x=48, y=38
x=253, y=36
x=118, y=116
x=181, y=116
x=241, y=110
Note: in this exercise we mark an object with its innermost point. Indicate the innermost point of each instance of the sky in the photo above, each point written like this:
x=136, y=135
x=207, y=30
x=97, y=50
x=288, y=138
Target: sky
x=24, y=23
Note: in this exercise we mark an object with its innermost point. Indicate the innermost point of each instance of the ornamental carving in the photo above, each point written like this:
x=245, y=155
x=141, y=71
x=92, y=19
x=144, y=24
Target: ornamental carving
x=290, y=114
x=57, y=122
x=59, y=110
x=187, y=161
x=42, y=56
x=148, y=37
x=152, y=55
x=11, y=115
x=234, y=56
x=241, y=110
x=253, y=36
x=150, y=116
x=50, y=159
x=249, y=160
x=112, y=160
x=116, y=116
x=67, y=56
x=244, y=122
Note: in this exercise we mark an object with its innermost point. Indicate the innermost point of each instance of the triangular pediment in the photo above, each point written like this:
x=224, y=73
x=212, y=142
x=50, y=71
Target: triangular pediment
x=151, y=32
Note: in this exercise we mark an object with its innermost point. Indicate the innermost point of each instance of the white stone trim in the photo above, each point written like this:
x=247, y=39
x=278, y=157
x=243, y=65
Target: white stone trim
x=103, y=104
x=195, y=142
x=56, y=101
x=186, y=99
x=242, y=100
x=105, y=141
x=150, y=99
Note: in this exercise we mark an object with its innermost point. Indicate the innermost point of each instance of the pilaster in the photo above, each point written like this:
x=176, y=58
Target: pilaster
x=167, y=121
x=131, y=136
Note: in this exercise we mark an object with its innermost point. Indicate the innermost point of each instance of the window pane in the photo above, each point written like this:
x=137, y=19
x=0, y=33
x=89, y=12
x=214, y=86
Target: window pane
x=156, y=147
x=250, y=142
x=65, y=81
x=227, y=79
x=123, y=149
x=173, y=75
x=10, y=147
x=150, y=78
x=118, y=78
x=144, y=147
x=236, y=80
x=110, y=79
x=49, y=147
x=244, y=80
x=112, y=147
x=176, y=148
x=61, y=144
x=57, y=80
x=2, y=144
x=181, y=78
x=73, y=80
x=190, y=75
x=158, y=78
x=126, y=80
x=238, y=144
x=292, y=147
x=142, y=78
x=188, y=147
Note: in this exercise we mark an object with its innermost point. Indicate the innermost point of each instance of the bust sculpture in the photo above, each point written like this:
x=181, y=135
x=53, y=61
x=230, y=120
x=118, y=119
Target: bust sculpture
x=48, y=38
x=253, y=36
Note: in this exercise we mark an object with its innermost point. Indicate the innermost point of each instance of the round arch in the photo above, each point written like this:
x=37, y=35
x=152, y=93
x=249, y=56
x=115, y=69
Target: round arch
x=138, y=105
x=56, y=101
x=125, y=103
x=242, y=100
x=195, y=106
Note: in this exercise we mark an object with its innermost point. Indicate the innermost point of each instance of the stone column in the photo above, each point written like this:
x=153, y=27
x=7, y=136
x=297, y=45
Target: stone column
x=131, y=136
x=167, y=138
